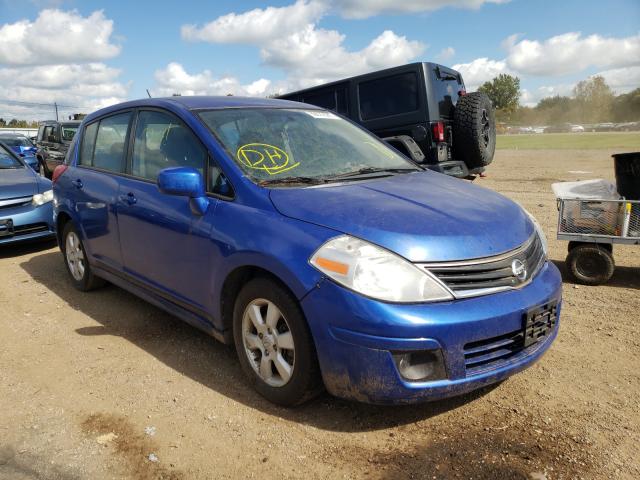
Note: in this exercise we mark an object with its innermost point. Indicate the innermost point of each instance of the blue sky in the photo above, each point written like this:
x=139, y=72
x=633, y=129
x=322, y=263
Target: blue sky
x=92, y=53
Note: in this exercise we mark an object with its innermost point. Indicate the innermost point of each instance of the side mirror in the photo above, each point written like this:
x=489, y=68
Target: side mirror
x=186, y=182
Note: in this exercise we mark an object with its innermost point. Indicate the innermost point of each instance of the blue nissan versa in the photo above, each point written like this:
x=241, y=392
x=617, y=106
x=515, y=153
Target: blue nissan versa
x=326, y=256
x=25, y=200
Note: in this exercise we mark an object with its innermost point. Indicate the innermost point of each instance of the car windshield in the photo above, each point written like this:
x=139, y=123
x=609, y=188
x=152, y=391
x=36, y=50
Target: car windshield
x=274, y=144
x=68, y=131
x=17, y=141
x=7, y=160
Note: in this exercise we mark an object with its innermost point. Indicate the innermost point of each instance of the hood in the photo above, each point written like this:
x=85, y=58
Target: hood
x=17, y=182
x=424, y=217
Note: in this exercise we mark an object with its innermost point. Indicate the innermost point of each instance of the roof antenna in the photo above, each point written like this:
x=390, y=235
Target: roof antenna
x=148, y=93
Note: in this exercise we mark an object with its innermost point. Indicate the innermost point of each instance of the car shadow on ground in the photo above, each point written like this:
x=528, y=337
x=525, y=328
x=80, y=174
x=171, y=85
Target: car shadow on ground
x=9, y=250
x=623, y=277
x=214, y=365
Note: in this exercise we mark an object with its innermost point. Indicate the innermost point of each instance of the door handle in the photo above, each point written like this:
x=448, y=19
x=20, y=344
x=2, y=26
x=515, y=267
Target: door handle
x=129, y=198
x=77, y=183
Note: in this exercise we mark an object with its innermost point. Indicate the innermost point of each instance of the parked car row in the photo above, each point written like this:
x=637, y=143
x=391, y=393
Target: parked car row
x=327, y=257
x=573, y=128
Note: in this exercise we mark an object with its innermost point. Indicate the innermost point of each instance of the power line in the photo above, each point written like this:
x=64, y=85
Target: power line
x=35, y=104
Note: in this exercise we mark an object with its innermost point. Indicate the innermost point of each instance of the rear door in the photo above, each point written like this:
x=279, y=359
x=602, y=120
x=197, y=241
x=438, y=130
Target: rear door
x=95, y=183
x=159, y=248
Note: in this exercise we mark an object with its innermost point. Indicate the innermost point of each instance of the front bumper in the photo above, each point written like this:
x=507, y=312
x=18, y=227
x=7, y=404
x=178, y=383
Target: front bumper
x=355, y=337
x=29, y=223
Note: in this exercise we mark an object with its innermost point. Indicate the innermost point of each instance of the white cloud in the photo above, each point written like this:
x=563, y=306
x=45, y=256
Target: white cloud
x=82, y=86
x=571, y=53
x=56, y=58
x=57, y=37
x=446, y=54
x=622, y=80
x=257, y=25
x=481, y=70
x=175, y=79
x=370, y=8
x=317, y=55
x=290, y=39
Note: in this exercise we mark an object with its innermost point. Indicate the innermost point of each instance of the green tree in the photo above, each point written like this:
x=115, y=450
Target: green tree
x=626, y=107
x=594, y=99
x=504, y=92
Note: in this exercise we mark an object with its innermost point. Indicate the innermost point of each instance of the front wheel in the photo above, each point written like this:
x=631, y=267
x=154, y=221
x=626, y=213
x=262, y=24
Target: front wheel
x=75, y=259
x=590, y=264
x=274, y=343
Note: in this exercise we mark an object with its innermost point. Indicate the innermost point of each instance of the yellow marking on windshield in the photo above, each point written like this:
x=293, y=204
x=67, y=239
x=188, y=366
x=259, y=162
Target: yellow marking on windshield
x=262, y=156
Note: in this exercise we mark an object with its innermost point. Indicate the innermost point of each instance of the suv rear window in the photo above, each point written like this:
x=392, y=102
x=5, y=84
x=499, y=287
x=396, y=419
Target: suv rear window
x=446, y=86
x=388, y=96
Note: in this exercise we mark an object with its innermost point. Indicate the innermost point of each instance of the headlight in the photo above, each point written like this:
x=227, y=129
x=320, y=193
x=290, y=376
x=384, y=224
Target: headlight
x=42, y=198
x=543, y=238
x=376, y=272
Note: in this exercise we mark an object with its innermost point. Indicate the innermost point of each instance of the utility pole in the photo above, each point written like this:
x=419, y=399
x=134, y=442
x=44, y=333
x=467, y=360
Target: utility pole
x=55, y=104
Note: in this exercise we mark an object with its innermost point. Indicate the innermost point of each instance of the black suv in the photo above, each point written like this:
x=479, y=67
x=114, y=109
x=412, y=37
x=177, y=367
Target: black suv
x=421, y=109
x=53, y=141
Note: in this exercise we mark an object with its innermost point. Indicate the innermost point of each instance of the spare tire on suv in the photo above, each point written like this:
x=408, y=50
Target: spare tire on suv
x=474, y=130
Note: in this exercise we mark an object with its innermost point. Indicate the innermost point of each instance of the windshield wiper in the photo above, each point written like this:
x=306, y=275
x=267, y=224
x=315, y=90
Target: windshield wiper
x=292, y=180
x=369, y=170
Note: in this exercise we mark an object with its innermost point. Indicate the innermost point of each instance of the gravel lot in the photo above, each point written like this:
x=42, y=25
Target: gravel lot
x=83, y=376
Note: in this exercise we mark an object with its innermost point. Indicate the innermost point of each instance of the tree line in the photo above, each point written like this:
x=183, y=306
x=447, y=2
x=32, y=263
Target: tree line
x=593, y=101
x=15, y=123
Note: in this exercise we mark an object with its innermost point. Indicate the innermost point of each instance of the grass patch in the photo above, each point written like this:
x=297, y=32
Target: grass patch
x=570, y=141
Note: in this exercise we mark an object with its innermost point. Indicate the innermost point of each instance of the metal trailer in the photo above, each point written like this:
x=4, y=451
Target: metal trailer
x=592, y=227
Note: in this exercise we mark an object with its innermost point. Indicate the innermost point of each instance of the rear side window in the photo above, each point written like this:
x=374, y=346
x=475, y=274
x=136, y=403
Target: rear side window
x=88, y=143
x=48, y=131
x=162, y=141
x=110, y=142
x=332, y=99
x=388, y=96
x=326, y=99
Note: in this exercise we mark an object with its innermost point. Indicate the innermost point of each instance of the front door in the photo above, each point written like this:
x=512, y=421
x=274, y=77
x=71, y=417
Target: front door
x=158, y=247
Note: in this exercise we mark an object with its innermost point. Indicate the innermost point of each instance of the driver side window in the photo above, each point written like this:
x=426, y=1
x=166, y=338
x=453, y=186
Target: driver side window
x=162, y=141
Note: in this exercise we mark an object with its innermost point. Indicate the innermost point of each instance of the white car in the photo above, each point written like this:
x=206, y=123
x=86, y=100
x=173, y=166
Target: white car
x=577, y=128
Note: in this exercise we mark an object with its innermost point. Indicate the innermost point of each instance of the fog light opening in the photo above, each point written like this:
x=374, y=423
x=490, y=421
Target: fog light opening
x=420, y=366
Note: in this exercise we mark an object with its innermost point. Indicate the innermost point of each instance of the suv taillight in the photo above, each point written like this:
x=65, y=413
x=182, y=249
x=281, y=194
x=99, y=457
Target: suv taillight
x=57, y=173
x=438, y=131
x=462, y=93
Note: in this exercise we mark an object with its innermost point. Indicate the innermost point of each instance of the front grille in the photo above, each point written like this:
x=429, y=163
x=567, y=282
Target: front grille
x=475, y=277
x=15, y=202
x=492, y=353
x=30, y=228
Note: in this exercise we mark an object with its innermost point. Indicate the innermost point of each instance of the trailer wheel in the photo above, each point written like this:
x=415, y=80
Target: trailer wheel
x=590, y=264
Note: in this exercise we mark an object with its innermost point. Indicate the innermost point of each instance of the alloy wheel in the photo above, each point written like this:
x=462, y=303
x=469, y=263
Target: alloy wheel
x=75, y=256
x=268, y=342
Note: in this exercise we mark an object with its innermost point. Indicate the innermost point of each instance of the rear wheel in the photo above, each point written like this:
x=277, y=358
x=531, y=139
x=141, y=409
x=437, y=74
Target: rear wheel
x=76, y=262
x=590, y=264
x=274, y=343
x=474, y=130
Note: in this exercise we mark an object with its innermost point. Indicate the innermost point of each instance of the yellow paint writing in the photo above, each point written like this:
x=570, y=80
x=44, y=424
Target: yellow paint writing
x=262, y=156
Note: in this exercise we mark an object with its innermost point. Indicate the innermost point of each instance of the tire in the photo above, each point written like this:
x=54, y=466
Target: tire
x=474, y=130
x=75, y=260
x=264, y=340
x=590, y=264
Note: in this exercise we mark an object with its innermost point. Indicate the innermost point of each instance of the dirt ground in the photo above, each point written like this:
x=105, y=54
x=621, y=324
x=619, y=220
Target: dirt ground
x=103, y=385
